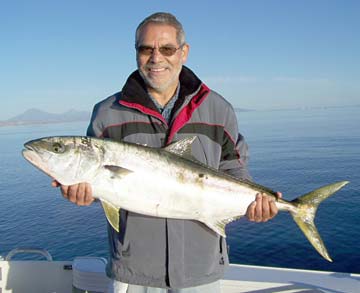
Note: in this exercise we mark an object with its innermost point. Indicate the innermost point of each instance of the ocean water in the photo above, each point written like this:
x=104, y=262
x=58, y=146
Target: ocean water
x=290, y=151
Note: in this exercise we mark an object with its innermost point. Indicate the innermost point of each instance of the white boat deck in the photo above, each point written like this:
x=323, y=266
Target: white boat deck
x=50, y=276
x=255, y=279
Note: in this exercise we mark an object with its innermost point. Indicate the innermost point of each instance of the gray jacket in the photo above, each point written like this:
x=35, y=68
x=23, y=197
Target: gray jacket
x=160, y=252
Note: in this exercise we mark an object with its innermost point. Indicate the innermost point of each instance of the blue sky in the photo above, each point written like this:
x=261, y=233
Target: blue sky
x=60, y=55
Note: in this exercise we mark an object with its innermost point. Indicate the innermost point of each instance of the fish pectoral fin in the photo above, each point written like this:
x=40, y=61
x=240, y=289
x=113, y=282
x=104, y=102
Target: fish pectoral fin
x=182, y=147
x=117, y=171
x=218, y=226
x=112, y=214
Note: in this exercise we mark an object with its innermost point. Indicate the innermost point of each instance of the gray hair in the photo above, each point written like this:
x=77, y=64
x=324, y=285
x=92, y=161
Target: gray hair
x=162, y=18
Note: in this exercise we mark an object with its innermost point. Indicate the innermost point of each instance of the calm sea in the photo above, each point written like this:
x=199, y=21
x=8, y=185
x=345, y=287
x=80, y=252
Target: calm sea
x=291, y=151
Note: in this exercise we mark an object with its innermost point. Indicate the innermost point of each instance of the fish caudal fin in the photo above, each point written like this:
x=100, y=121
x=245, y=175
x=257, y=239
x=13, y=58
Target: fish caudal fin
x=304, y=214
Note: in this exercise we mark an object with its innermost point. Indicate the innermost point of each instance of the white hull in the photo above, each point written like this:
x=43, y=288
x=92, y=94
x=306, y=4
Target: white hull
x=50, y=276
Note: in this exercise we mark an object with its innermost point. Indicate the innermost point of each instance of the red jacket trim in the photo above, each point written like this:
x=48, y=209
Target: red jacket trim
x=185, y=114
x=143, y=109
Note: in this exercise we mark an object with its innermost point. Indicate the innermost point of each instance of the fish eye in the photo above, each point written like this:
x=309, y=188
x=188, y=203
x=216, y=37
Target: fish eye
x=58, y=147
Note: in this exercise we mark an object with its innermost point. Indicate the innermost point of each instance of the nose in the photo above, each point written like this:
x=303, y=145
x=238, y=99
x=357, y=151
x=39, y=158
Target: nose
x=155, y=55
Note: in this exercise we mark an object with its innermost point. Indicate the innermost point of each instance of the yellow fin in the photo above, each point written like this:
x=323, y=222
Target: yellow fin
x=112, y=214
x=304, y=214
x=218, y=226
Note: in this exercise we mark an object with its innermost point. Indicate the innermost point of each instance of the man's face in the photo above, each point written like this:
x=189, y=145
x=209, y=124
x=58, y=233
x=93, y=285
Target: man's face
x=160, y=72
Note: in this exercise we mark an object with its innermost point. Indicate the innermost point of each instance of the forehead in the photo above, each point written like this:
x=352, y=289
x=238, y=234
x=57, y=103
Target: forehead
x=157, y=33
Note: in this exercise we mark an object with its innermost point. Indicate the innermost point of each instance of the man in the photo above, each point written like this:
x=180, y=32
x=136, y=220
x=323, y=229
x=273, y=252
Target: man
x=162, y=102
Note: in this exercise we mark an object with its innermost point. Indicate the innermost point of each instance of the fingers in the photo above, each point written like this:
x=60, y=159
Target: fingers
x=273, y=211
x=88, y=195
x=262, y=209
x=54, y=183
x=80, y=194
x=263, y=214
x=77, y=194
x=258, y=208
x=250, y=213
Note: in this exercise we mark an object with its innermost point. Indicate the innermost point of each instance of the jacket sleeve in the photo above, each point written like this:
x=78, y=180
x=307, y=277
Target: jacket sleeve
x=95, y=128
x=234, y=152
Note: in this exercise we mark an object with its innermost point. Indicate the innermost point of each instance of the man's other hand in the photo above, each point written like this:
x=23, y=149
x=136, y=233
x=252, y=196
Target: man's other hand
x=80, y=194
x=263, y=208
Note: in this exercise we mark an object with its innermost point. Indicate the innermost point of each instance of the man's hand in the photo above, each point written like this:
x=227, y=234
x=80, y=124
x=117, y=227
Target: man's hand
x=80, y=194
x=263, y=208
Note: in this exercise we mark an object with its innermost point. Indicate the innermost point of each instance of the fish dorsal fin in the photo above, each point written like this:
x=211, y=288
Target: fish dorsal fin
x=117, y=171
x=112, y=214
x=182, y=147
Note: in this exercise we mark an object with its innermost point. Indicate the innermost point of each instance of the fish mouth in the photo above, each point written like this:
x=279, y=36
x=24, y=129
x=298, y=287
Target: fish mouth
x=31, y=154
x=31, y=144
x=28, y=147
x=29, y=151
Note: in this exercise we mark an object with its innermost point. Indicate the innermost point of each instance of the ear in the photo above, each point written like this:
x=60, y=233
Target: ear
x=184, y=53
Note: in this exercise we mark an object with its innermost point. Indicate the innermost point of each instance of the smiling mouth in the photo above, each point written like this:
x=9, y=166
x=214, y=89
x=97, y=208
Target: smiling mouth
x=156, y=70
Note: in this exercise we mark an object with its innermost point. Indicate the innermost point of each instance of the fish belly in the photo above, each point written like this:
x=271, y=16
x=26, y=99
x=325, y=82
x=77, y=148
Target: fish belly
x=160, y=196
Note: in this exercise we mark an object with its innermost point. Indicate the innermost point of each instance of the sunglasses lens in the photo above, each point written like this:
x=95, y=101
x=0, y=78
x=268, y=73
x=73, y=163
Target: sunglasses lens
x=145, y=50
x=167, y=51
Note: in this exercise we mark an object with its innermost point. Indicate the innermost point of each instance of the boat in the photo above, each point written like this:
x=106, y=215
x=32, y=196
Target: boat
x=87, y=274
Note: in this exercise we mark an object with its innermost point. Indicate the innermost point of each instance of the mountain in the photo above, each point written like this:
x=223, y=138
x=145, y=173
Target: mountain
x=243, y=110
x=36, y=116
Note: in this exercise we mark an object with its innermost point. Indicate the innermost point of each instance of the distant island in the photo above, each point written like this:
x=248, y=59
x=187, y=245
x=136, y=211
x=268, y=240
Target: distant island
x=36, y=116
x=242, y=110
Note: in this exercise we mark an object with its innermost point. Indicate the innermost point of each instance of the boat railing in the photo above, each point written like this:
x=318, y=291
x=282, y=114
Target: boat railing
x=19, y=250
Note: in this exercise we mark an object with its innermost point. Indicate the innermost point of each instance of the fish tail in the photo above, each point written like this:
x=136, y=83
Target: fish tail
x=304, y=214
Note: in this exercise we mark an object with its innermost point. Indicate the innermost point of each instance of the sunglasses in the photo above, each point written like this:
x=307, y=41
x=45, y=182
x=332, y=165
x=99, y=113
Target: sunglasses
x=164, y=50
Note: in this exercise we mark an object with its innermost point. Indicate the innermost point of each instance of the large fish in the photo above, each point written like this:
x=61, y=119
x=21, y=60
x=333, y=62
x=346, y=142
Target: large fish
x=165, y=182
